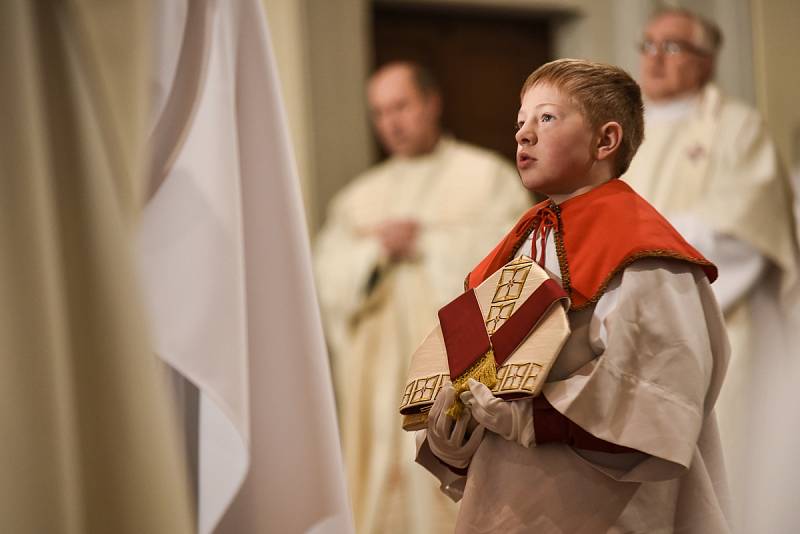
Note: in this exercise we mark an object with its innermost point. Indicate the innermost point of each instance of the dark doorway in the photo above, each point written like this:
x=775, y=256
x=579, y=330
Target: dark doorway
x=480, y=57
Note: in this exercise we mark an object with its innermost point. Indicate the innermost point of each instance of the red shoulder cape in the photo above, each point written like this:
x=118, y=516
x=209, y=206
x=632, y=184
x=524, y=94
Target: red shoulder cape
x=598, y=234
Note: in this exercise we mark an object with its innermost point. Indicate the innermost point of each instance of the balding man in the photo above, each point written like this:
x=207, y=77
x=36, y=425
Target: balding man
x=396, y=246
x=709, y=165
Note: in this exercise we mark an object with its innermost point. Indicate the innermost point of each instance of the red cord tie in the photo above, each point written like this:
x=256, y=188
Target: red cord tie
x=546, y=222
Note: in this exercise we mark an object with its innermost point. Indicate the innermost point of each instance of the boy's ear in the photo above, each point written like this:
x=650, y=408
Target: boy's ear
x=608, y=141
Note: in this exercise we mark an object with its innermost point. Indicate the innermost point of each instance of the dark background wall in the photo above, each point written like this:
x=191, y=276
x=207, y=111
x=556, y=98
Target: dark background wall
x=480, y=58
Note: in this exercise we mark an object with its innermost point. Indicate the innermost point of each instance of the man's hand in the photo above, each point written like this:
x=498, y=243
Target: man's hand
x=446, y=435
x=512, y=420
x=398, y=237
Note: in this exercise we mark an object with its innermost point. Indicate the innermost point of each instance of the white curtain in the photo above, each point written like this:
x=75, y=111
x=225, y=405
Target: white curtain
x=226, y=265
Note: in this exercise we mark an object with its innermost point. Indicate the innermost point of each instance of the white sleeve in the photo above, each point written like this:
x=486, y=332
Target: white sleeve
x=450, y=483
x=740, y=264
x=344, y=264
x=662, y=352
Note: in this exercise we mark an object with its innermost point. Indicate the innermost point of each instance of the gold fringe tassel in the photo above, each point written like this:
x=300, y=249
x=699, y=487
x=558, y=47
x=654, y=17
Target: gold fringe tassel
x=484, y=370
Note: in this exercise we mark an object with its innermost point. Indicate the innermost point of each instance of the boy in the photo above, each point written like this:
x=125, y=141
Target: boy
x=623, y=437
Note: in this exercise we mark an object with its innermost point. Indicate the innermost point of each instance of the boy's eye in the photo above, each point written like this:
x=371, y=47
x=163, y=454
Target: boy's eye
x=518, y=126
x=546, y=117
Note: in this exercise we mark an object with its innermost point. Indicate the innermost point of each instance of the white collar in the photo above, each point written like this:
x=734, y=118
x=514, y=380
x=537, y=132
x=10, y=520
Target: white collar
x=671, y=110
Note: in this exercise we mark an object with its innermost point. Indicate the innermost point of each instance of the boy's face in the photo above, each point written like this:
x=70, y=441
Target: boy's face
x=554, y=142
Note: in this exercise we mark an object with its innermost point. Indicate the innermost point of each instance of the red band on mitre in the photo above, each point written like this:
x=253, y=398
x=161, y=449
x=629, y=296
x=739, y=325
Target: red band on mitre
x=464, y=333
x=516, y=328
x=464, y=330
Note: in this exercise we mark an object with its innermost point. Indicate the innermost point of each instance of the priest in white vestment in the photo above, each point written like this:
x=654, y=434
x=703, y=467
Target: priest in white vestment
x=708, y=164
x=395, y=248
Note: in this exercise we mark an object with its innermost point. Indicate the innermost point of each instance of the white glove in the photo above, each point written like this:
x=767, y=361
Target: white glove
x=446, y=435
x=512, y=420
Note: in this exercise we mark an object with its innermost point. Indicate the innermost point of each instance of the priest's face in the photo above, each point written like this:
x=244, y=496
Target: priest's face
x=554, y=142
x=673, y=60
x=406, y=119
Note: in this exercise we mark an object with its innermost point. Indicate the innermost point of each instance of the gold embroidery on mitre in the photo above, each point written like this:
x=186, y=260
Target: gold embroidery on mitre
x=423, y=389
x=511, y=378
x=517, y=378
x=484, y=370
x=507, y=293
x=415, y=421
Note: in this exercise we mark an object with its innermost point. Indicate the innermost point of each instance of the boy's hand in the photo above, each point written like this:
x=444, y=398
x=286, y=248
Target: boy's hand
x=512, y=420
x=446, y=435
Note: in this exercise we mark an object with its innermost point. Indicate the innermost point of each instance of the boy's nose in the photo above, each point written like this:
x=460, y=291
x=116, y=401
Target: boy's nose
x=525, y=136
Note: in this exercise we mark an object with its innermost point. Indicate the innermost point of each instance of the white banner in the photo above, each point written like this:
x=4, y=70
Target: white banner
x=226, y=265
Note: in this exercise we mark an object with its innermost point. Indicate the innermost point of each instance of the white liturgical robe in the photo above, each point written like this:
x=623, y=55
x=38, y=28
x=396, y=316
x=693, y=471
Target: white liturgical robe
x=709, y=166
x=651, y=388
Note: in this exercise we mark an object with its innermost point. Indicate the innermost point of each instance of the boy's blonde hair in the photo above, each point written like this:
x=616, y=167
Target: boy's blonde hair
x=604, y=93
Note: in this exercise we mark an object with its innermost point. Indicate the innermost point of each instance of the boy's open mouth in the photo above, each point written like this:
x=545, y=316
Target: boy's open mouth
x=524, y=159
